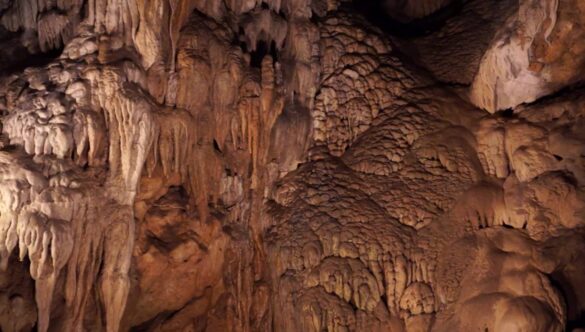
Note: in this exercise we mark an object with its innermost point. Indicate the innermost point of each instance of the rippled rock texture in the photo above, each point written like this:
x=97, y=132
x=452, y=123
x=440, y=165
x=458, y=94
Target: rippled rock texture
x=292, y=165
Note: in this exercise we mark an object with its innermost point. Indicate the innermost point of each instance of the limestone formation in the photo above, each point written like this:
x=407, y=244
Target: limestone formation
x=292, y=165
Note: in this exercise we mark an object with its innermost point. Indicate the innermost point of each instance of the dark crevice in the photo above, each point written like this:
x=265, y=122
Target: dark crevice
x=273, y=51
x=554, y=96
x=377, y=14
x=243, y=46
x=216, y=147
x=153, y=323
x=354, y=306
x=507, y=114
x=262, y=50
x=23, y=59
x=575, y=315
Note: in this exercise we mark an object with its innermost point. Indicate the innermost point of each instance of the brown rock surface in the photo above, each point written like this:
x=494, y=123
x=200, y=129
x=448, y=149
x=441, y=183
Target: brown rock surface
x=292, y=165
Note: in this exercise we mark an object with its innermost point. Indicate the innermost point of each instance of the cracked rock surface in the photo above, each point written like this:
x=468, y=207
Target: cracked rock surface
x=292, y=165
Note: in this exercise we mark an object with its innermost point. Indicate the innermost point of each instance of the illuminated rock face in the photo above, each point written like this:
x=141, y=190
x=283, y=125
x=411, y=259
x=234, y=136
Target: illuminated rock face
x=537, y=51
x=251, y=165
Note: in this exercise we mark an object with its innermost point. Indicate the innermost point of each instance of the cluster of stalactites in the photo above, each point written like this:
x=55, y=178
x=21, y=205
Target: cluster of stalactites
x=46, y=241
x=290, y=8
x=131, y=127
x=50, y=23
x=64, y=120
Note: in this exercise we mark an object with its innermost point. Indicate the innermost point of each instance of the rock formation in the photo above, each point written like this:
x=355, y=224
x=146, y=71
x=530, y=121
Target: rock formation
x=292, y=165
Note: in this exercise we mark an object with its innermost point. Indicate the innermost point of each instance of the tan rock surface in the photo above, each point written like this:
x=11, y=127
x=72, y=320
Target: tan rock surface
x=291, y=165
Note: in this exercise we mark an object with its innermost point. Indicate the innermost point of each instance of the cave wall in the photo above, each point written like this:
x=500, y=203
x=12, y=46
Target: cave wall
x=292, y=165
